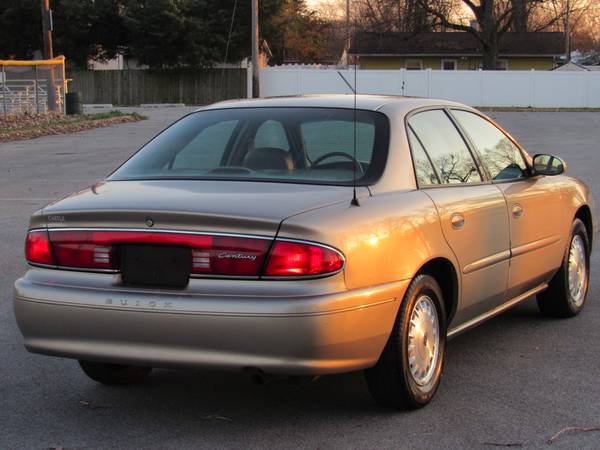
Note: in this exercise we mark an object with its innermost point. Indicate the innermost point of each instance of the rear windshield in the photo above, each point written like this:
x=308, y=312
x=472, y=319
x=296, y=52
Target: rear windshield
x=298, y=145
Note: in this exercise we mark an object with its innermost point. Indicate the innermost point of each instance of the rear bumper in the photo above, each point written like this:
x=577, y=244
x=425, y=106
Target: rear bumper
x=297, y=335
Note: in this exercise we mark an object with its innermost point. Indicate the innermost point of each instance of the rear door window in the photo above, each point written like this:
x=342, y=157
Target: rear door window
x=499, y=155
x=424, y=171
x=446, y=147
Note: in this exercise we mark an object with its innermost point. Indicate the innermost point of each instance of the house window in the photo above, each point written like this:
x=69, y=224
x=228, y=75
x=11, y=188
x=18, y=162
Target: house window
x=503, y=64
x=414, y=64
x=449, y=64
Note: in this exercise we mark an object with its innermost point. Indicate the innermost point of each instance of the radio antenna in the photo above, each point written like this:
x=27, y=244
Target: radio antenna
x=355, y=201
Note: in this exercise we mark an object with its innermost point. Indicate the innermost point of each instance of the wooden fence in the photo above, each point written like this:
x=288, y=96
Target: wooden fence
x=135, y=87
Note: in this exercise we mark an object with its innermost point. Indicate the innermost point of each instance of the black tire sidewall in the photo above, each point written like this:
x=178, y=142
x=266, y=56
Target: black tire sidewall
x=422, y=285
x=577, y=229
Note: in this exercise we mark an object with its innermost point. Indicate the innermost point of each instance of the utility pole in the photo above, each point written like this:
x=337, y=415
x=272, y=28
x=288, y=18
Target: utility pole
x=348, y=26
x=47, y=29
x=49, y=53
x=255, y=63
x=567, y=21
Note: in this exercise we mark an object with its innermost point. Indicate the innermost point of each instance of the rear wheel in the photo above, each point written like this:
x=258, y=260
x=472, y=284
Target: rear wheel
x=114, y=373
x=567, y=292
x=409, y=370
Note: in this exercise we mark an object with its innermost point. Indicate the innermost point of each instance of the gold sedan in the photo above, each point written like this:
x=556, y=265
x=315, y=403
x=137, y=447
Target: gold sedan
x=304, y=236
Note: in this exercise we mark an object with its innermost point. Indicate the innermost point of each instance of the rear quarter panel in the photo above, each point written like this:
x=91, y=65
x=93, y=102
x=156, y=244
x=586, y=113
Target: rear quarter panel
x=386, y=239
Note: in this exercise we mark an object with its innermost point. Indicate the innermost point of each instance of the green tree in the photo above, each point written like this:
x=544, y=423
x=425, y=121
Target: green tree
x=156, y=31
x=73, y=24
x=159, y=33
x=20, y=29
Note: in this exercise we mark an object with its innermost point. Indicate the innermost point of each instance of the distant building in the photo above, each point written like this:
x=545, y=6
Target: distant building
x=454, y=51
x=119, y=62
x=576, y=67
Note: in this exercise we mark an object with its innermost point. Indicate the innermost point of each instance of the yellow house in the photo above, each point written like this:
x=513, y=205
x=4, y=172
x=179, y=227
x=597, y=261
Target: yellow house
x=455, y=51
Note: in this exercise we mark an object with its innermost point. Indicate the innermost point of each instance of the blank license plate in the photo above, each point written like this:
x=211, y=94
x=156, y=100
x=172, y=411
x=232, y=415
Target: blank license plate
x=155, y=265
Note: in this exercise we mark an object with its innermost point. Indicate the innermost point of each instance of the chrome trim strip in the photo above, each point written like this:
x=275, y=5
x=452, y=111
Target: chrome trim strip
x=156, y=230
x=224, y=277
x=302, y=277
x=535, y=245
x=494, y=312
x=486, y=262
x=73, y=269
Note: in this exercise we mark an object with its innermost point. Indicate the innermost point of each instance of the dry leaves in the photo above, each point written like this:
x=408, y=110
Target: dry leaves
x=28, y=126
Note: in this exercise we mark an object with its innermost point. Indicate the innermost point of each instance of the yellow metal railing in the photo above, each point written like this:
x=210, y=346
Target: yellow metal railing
x=32, y=87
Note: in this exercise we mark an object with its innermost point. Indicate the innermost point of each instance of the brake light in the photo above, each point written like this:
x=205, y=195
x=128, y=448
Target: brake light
x=299, y=259
x=83, y=249
x=218, y=255
x=99, y=249
x=37, y=248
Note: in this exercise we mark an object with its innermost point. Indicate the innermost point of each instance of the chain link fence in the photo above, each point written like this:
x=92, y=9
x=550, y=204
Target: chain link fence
x=32, y=87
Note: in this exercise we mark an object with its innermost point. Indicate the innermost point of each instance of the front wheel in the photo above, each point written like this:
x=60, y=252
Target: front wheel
x=409, y=370
x=567, y=291
x=114, y=373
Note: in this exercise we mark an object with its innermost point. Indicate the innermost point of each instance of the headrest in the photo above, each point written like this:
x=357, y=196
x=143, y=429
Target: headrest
x=265, y=158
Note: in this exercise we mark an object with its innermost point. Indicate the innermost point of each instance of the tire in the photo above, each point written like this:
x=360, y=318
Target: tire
x=565, y=296
x=114, y=374
x=392, y=382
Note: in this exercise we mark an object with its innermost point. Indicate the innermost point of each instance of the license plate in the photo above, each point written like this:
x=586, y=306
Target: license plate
x=155, y=265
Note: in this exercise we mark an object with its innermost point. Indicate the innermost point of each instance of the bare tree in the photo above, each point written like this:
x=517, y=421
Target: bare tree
x=572, y=17
x=493, y=19
x=386, y=16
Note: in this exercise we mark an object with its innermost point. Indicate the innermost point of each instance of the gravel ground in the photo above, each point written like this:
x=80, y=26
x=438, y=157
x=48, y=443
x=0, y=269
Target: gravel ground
x=518, y=379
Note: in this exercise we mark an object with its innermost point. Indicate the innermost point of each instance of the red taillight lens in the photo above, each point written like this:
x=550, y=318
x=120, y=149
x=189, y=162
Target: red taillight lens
x=37, y=248
x=211, y=255
x=226, y=255
x=299, y=259
x=83, y=249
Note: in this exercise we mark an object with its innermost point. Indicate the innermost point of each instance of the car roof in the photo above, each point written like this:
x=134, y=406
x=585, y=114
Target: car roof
x=388, y=103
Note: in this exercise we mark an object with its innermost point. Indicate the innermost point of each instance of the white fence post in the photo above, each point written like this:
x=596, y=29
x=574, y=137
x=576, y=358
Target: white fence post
x=428, y=83
x=481, y=93
x=249, y=80
x=588, y=93
x=402, y=80
x=532, y=88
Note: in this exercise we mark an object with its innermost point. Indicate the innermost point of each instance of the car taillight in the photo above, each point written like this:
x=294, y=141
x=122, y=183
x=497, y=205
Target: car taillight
x=219, y=255
x=83, y=249
x=289, y=259
x=37, y=248
x=99, y=249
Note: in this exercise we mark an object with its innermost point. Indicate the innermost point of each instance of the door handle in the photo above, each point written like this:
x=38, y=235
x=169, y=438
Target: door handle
x=457, y=221
x=517, y=211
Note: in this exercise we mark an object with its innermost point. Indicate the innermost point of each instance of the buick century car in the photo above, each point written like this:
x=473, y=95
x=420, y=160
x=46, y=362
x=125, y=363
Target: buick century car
x=303, y=236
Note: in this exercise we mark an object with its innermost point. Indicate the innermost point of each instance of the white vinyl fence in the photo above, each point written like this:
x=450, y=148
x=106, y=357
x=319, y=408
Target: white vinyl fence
x=538, y=89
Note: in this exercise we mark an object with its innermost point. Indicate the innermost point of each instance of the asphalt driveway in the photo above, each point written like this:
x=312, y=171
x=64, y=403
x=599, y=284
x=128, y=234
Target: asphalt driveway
x=517, y=380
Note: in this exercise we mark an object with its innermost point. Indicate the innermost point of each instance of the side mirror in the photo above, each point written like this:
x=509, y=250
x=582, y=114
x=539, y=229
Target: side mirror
x=548, y=165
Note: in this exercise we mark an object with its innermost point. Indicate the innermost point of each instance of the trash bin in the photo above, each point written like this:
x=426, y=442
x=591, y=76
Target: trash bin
x=73, y=103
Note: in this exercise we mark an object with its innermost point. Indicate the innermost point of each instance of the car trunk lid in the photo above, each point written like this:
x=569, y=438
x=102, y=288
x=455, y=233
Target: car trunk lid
x=193, y=205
